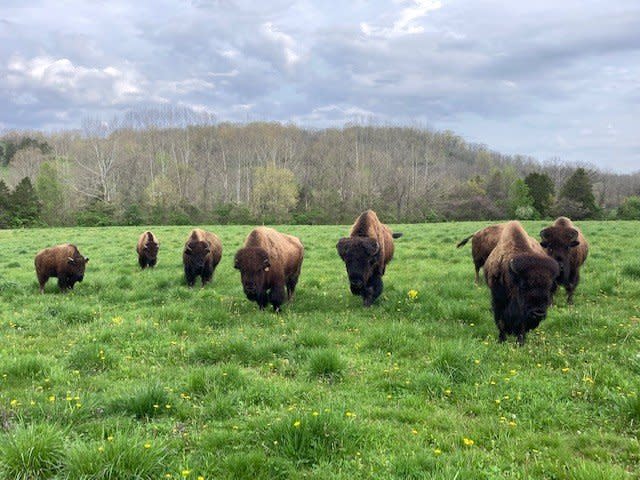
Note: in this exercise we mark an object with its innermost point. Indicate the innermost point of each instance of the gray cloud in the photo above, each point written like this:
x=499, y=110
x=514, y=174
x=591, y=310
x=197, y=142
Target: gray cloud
x=548, y=79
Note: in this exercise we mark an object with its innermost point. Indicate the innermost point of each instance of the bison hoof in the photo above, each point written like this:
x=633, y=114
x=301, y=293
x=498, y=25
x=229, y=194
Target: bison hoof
x=502, y=337
x=521, y=339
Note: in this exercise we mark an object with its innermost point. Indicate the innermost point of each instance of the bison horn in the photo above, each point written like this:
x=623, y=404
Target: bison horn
x=71, y=260
x=544, y=232
x=187, y=249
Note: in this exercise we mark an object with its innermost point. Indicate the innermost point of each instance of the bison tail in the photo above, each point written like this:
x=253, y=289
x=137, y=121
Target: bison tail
x=396, y=235
x=464, y=242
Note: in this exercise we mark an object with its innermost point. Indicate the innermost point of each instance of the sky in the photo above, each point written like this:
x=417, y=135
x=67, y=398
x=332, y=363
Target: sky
x=549, y=79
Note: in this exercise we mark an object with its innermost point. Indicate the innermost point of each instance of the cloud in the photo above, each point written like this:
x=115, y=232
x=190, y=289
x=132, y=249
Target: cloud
x=513, y=75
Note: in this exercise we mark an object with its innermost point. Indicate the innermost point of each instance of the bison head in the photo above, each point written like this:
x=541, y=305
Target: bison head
x=361, y=256
x=534, y=280
x=76, y=265
x=197, y=251
x=558, y=242
x=254, y=265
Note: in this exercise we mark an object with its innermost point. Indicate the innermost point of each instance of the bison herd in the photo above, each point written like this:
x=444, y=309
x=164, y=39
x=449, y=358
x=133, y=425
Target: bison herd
x=521, y=272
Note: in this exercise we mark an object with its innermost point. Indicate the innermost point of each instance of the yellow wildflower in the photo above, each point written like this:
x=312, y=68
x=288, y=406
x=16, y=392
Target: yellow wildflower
x=468, y=442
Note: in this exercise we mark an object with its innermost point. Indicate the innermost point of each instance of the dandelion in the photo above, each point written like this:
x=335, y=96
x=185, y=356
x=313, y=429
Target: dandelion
x=200, y=477
x=117, y=320
x=350, y=414
x=512, y=423
x=296, y=424
x=52, y=398
x=565, y=369
x=468, y=442
x=110, y=438
x=477, y=362
x=186, y=473
x=414, y=431
x=315, y=414
x=147, y=445
x=412, y=294
x=437, y=451
x=101, y=449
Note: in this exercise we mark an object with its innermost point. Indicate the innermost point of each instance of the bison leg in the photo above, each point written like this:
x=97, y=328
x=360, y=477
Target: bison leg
x=42, y=281
x=152, y=263
x=277, y=297
x=142, y=262
x=63, y=284
x=373, y=290
x=207, y=274
x=499, y=304
x=291, y=285
x=262, y=299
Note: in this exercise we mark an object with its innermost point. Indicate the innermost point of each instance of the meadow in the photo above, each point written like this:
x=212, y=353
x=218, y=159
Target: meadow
x=135, y=376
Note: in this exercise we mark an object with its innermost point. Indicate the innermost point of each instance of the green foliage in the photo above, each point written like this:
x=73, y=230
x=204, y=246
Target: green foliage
x=274, y=194
x=326, y=364
x=51, y=194
x=579, y=188
x=8, y=148
x=629, y=209
x=542, y=191
x=5, y=205
x=24, y=204
x=519, y=198
x=97, y=213
x=145, y=402
x=31, y=452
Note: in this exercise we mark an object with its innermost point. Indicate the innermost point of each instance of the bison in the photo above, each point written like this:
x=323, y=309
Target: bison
x=564, y=242
x=201, y=255
x=269, y=262
x=366, y=253
x=63, y=262
x=482, y=244
x=147, y=249
x=521, y=277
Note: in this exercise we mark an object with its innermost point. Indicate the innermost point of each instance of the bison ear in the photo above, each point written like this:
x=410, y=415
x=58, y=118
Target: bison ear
x=70, y=260
x=342, y=246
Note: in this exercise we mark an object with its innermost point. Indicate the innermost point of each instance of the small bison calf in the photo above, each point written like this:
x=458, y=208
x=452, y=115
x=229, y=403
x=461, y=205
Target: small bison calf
x=63, y=262
x=564, y=242
x=147, y=249
x=366, y=253
x=201, y=255
x=269, y=262
x=522, y=278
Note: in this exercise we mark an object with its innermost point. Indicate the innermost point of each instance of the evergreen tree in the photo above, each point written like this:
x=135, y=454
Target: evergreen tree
x=24, y=204
x=542, y=191
x=5, y=211
x=579, y=189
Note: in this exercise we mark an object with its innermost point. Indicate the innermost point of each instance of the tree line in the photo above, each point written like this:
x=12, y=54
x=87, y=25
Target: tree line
x=176, y=166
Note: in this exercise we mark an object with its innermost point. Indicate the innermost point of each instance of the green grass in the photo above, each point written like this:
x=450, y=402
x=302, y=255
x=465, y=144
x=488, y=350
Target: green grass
x=134, y=375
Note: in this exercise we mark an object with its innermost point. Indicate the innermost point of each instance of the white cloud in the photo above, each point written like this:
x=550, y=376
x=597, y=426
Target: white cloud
x=406, y=23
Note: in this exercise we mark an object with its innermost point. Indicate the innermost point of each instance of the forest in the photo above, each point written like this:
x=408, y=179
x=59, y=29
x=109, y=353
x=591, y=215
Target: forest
x=176, y=166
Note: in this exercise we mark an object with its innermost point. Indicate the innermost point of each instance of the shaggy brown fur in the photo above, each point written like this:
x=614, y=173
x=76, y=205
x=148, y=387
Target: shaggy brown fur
x=521, y=277
x=269, y=262
x=564, y=242
x=366, y=253
x=201, y=255
x=63, y=262
x=147, y=249
x=482, y=244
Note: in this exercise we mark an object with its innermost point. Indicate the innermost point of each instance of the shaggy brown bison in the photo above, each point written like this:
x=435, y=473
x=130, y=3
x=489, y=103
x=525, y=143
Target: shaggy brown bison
x=366, y=253
x=564, y=242
x=521, y=277
x=63, y=262
x=482, y=244
x=269, y=262
x=201, y=255
x=147, y=249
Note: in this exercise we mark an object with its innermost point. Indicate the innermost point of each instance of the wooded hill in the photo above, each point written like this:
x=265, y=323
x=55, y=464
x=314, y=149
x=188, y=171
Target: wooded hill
x=178, y=166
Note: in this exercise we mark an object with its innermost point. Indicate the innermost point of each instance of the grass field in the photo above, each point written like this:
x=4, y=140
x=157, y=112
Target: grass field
x=133, y=375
